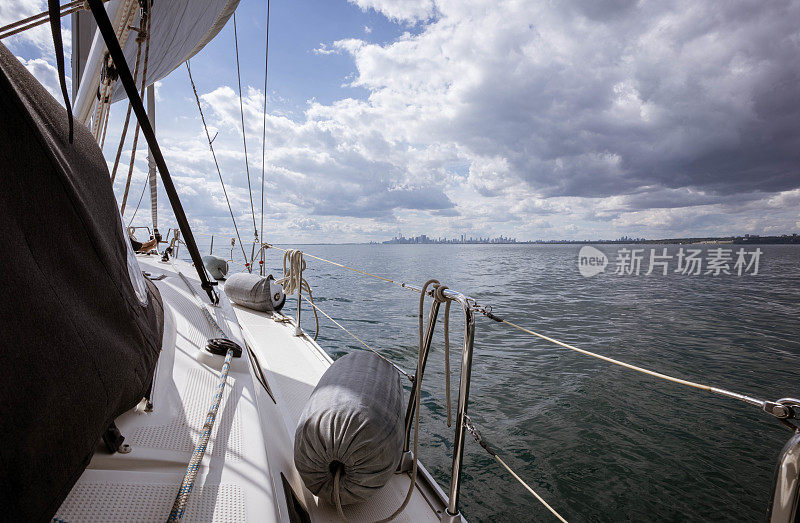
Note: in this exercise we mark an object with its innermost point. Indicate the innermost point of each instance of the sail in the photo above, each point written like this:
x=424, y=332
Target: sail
x=82, y=334
x=179, y=30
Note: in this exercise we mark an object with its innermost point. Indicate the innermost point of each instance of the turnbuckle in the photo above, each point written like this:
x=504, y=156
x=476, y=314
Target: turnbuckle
x=784, y=409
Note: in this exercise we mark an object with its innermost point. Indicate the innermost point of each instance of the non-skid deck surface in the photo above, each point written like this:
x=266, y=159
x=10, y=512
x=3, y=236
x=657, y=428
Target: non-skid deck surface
x=234, y=483
x=251, y=445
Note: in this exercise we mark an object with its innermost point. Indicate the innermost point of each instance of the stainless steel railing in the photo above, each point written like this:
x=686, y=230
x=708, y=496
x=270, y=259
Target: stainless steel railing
x=785, y=504
x=452, y=512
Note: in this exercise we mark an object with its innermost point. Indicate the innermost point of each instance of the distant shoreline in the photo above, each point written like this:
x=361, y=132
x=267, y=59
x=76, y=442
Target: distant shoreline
x=747, y=239
x=729, y=240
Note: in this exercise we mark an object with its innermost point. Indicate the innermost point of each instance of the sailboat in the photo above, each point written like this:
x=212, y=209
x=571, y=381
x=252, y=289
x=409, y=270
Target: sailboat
x=124, y=402
x=138, y=388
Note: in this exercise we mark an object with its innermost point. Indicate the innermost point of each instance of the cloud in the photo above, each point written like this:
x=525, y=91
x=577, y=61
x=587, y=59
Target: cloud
x=47, y=75
x=629, y=106
x=405, y=11
x=324, y=166
x=606, y=117
x=323, y=49
x=39, y=37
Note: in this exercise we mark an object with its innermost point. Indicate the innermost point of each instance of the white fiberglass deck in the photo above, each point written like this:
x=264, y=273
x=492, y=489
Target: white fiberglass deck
x=251, y=446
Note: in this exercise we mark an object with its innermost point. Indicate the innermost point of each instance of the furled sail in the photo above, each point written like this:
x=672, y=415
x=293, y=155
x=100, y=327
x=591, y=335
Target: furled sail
x=179, y=30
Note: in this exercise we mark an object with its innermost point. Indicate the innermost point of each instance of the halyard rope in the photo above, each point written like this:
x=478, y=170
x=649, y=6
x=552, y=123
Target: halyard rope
x=185, y=490
x=103, y=105
x=146, y=28
x=127, y=113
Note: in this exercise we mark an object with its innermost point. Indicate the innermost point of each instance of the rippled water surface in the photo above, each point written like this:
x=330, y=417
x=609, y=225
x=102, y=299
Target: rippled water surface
x=600, y=443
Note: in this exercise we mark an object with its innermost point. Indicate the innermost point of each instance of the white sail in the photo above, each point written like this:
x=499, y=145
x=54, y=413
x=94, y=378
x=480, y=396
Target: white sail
x=180, y=29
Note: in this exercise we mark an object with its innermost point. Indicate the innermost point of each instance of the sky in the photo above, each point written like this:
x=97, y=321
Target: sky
x=551, y=119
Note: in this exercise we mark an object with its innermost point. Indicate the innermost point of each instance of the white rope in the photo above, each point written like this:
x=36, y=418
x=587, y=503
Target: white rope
x=362, y=342
x=293, y=267
x=687, y=383
x=486, y=311
x=479, y=438
x=528, y=487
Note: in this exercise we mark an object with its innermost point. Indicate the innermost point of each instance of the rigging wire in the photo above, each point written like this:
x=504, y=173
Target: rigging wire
x=140, y=201
x=264, y=141
x=214, y=155
x=359, y=340
x=244, y=136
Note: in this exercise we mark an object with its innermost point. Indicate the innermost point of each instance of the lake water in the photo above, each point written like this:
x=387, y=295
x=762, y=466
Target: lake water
x=599, y=442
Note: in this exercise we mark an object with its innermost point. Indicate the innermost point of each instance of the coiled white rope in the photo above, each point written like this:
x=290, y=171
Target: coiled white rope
x=292, y=280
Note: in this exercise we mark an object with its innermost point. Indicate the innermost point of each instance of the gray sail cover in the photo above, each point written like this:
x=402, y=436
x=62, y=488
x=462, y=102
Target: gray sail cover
x=79, y=339
x=353, y=419
x=180, y=29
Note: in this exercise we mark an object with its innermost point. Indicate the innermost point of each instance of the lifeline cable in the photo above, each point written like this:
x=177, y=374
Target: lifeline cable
x=487, y=311
x=359, y=340
x=479, y=438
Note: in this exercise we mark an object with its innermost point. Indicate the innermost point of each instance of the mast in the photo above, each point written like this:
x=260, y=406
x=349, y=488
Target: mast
x=151, y=163
x=83, y=28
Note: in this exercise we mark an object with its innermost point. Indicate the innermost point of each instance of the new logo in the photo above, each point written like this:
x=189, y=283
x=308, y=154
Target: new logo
x=591, y=261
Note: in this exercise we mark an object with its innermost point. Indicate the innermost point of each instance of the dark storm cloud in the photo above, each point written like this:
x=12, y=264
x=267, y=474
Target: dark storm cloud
x=597, y=99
